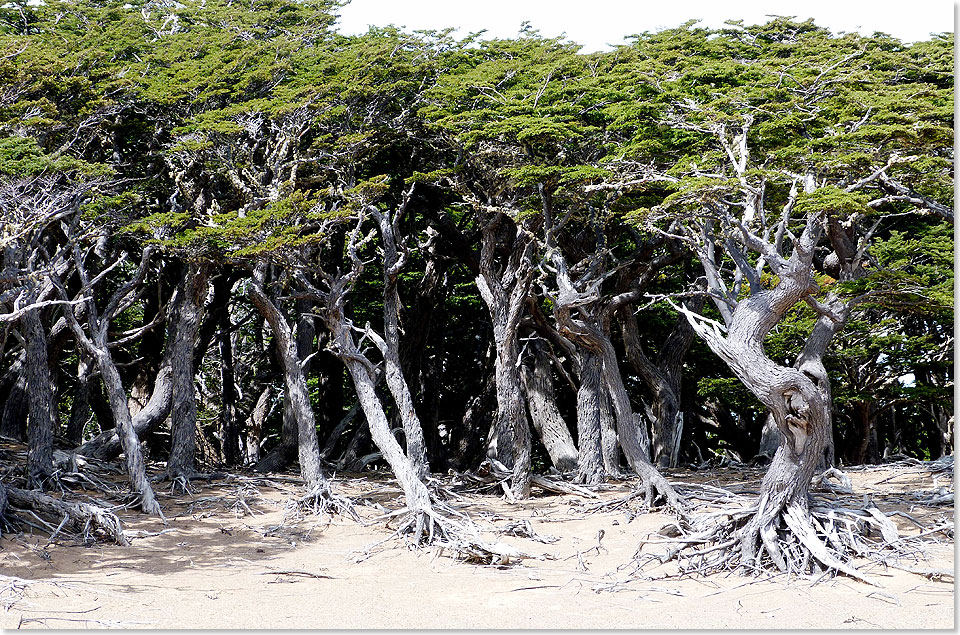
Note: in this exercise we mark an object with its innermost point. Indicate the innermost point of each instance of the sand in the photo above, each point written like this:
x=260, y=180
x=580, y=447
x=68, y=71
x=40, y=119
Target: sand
x=214, y=565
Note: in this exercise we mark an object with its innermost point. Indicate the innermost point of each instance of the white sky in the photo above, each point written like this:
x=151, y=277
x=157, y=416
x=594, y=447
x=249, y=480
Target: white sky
x=596, y=23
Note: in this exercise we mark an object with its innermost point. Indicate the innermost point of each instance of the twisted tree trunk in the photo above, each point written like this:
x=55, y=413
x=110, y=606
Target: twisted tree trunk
x=505, y=294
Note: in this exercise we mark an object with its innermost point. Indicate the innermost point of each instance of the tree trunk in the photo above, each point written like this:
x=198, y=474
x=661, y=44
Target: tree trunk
x=229, y=431
x=80, y=410
x=281, y=456
x=390, y=344
x=590, y=395
x=505, y=294
x=43, y=410
x=254, y=430
x=181, y=463
x=544, y=415
x=13, y=423
x=364, y=378
x=129, y=441
x=107, y=445
x=298, y=396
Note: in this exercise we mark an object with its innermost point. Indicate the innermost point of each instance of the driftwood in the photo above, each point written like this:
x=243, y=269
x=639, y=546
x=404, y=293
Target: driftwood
x=85, y=520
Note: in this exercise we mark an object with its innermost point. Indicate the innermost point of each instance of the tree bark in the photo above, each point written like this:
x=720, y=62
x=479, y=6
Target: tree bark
x=544, y=414
x=364, y=378
x=296, y=386
x=590, y=468
x=43, y=410
x=393, y=262
x=505, y=294
x=181, y=463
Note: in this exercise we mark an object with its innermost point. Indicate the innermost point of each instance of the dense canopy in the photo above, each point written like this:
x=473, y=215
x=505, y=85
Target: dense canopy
x=233, y=237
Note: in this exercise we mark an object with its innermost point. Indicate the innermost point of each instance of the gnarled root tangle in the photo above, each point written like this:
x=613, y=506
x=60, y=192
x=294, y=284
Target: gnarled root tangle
x=442, y=527
x=83, y=521
x=322, y=500
x=796, y=538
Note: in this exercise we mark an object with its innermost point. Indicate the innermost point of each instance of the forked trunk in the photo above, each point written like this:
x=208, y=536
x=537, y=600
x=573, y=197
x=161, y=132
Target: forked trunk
x=297, y=394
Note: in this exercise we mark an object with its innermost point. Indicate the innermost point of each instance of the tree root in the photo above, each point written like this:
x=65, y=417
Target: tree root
x=87, y=522
x=323, y=501
x=428, y=527
x=796, y=540
x=180, y=480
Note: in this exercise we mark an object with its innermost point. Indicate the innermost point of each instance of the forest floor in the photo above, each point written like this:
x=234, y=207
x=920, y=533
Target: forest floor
x=234, y=555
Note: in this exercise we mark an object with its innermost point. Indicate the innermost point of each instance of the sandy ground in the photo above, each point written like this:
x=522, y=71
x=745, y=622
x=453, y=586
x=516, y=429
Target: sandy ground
x=217, y=566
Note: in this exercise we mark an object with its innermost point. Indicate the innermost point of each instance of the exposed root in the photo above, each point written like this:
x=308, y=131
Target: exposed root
x=494, y=472
x=84, y=521
x=797, y=540
x=430, y=528
x=323, y=501
x=180, y=480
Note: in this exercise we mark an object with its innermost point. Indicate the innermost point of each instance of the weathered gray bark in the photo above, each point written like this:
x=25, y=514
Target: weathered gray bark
x=544, y=414
x=663, y=378
x=296, y=386
x=364, y=377
x=798, y=398
x=43, y=411
x=394, y=259
x=96, y=344
x=282, y=455
x=181, y=463
x=505, y=294
x=590, y=468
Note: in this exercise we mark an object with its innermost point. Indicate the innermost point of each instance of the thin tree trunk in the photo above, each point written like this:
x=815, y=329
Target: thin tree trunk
x=80, y=410
x=229, y=431
x=364, y=380
x=295, y=382
x=393, y=261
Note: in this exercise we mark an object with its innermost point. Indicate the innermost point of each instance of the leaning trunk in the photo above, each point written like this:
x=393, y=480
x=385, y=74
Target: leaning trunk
x=129, y=441
x=544, y=414
x=297, y=396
